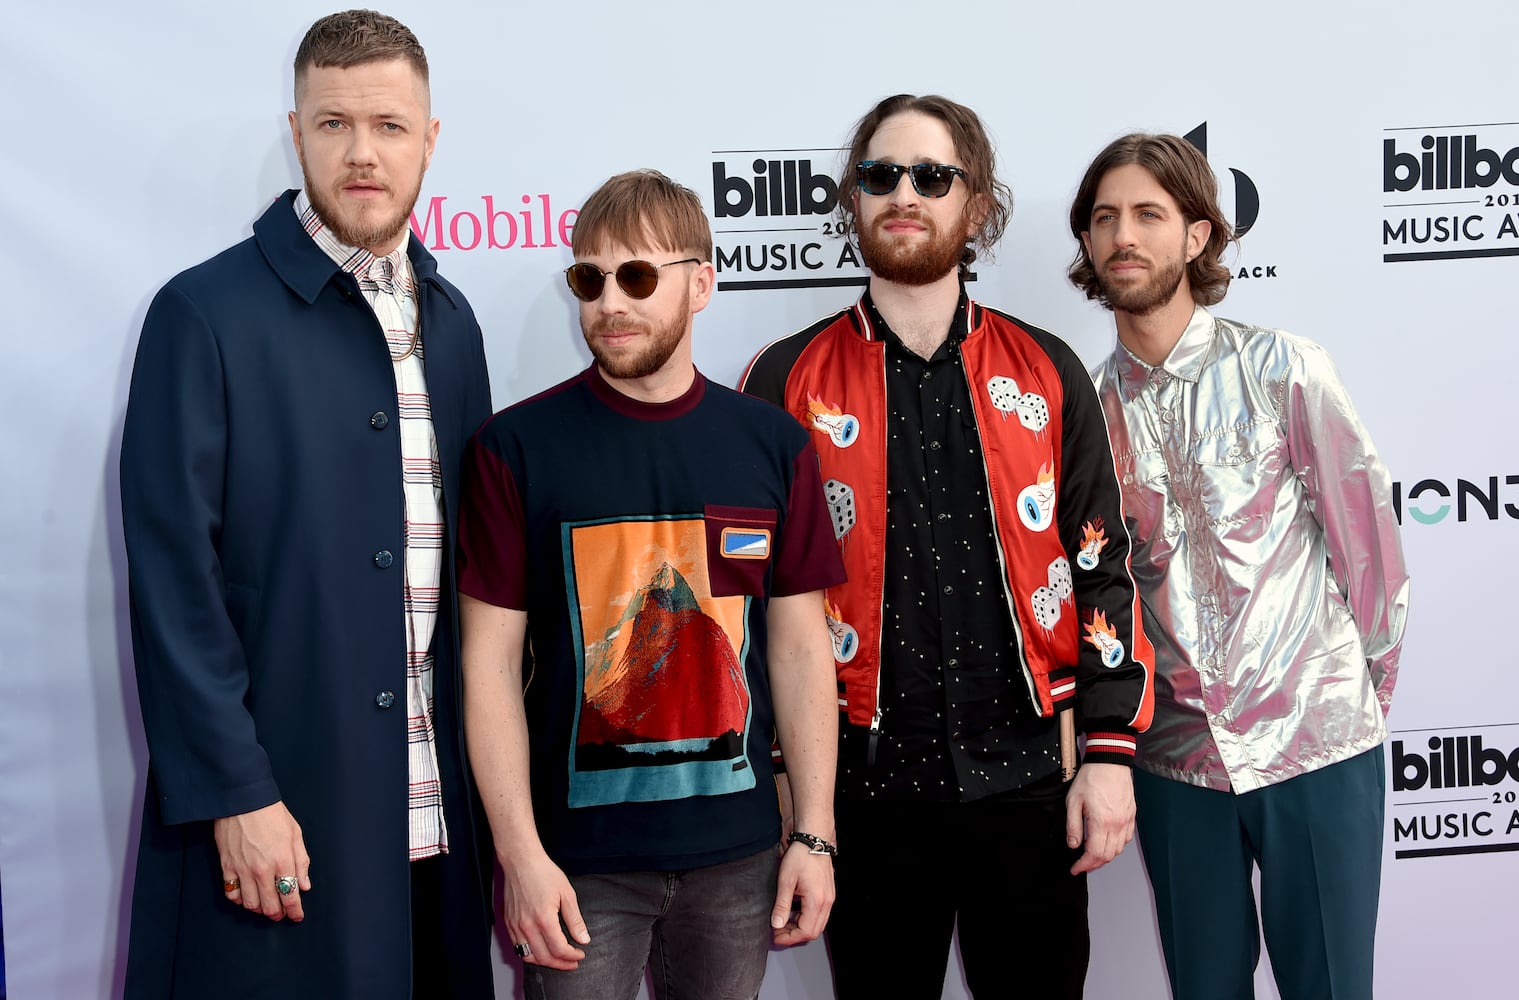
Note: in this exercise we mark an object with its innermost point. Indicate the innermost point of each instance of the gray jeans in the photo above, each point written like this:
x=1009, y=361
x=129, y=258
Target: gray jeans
x=704, y=934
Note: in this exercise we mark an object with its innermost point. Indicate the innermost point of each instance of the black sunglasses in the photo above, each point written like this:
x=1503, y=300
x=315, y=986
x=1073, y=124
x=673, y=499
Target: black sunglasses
x=931, y=180
x=637, y=278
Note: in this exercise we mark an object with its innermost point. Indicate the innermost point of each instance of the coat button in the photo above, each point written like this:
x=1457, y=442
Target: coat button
x=385, y=699
x=378, y=420
x=383, y=559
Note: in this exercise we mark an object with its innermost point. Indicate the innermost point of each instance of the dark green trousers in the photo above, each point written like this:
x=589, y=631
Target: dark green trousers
x=1317, y=839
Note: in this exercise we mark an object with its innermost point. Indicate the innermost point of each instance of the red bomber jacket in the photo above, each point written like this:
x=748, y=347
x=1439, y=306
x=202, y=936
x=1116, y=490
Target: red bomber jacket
x=1056, y=507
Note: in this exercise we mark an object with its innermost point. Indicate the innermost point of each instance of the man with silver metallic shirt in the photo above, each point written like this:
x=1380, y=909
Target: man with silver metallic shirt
x=1267, y=556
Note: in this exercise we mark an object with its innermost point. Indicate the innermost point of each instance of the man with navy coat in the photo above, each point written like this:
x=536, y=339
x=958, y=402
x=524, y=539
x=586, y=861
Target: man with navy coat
x=290, y=465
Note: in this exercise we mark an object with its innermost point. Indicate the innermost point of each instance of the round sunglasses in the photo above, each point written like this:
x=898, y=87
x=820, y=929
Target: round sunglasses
x=931, y=180
x=636, y=278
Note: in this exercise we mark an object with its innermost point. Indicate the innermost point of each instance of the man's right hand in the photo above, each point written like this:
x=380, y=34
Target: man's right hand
x=537, y=895
x=256, y=849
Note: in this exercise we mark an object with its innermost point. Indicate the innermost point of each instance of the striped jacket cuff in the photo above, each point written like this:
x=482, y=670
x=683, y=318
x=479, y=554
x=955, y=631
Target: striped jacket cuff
x=1110, y=748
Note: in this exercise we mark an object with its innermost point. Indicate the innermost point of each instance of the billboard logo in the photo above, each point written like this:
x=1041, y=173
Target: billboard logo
x=1455, y=791
x=1452, y=762
x=773, y=224
x=778, y=187
x=1448, y=163
x=1451, y=192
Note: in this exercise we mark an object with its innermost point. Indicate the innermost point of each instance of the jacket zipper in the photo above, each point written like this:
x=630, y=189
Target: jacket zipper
x=875, y=718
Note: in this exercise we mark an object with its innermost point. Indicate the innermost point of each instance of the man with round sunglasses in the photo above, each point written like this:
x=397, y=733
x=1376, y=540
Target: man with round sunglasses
x=988, y=605
x=663, y=543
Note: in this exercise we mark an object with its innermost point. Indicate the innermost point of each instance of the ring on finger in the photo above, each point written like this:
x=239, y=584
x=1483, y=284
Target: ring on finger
x=230, y=885
x=522, y=949
x=285, y=885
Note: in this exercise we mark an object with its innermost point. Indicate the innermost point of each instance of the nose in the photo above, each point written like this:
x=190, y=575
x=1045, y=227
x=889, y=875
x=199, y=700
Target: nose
x=614, y=301
x=904, y=194
x=1124, y=232
x=361, y=149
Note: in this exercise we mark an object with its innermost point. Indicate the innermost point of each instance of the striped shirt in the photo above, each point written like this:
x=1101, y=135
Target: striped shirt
x=390, y=289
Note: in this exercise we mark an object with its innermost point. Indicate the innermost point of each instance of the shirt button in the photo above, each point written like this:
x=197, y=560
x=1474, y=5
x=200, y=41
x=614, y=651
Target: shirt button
x=383, y=559
x=953, y=662
x=933, y=446
x=948, y=589
x=385, y=699
x=378, y=420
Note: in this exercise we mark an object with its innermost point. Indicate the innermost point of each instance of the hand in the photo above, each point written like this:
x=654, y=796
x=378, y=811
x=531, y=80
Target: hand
x=806, y=877
x=258, y=847
x=537, y=895
x=1102, y=795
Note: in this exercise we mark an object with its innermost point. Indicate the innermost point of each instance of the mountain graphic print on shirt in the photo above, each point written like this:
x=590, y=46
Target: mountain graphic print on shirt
x=664, y=710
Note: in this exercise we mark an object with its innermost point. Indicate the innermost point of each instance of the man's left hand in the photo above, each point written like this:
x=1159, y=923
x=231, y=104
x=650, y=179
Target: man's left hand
x=806, y=877
x=1101, y=804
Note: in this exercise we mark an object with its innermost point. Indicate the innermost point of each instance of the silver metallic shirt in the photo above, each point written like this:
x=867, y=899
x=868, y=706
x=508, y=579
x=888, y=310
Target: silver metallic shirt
x=1266, y=553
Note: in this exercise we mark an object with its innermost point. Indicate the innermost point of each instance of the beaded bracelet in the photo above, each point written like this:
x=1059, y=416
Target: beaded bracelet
x=815, y=845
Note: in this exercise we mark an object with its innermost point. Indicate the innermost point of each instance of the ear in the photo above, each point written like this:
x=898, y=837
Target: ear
x=295, y=133
x=429, y=143
x=703, y=280
x=1086, y=241
x=1197, y=238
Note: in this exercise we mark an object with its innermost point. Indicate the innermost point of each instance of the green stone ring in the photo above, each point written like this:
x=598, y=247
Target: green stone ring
x=285, y=885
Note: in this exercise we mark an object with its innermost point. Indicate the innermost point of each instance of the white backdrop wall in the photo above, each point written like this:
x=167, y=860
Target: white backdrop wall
x=146, y=137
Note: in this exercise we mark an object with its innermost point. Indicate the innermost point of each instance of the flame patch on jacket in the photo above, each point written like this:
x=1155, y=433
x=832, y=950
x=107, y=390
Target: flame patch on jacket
x=1105, y=638
x=843, y=429
x=1093, y=541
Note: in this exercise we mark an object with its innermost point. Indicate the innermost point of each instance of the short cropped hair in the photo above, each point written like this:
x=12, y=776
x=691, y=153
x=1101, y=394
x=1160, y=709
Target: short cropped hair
x=1180, y=168
x=977, y=158
x=643, y=208
x=353, y=38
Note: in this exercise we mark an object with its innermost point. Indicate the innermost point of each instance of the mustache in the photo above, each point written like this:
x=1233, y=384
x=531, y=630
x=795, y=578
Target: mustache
x=1125, y=256
x=600, y=326
x=899, y=215
x=366, y=176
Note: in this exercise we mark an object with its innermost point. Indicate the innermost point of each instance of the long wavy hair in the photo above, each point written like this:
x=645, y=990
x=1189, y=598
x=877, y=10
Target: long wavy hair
x=978, y=160
x=1183, y=171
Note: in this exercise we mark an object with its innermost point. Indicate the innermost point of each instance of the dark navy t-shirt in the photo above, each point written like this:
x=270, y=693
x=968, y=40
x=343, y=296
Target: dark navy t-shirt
x=644, y=542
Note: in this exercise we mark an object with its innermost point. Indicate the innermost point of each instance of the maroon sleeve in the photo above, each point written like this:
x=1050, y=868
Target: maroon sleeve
x=492, y=535
x=808, y=558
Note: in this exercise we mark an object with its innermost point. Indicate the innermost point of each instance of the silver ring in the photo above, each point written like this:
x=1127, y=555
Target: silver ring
x=522, y=950
x=285, y=885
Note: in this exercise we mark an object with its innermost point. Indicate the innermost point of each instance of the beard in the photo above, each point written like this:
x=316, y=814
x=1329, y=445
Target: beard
x=371, y=227
x=906, y=263
x=663, y=339
x=1143, y=298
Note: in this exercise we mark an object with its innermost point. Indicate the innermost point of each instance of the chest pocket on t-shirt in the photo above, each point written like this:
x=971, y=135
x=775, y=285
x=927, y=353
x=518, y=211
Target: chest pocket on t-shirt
x=740, y=546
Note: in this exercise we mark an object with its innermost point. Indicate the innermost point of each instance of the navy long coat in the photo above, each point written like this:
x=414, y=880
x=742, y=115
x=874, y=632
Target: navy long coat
x=261, y=495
